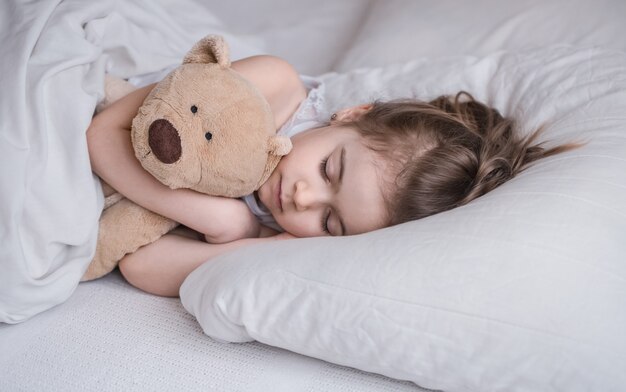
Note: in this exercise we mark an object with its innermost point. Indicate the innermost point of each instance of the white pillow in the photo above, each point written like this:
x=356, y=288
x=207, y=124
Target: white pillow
x=401, y=30
x=523, y=289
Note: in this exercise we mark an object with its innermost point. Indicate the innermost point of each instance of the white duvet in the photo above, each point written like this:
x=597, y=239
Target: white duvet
x=54, y=57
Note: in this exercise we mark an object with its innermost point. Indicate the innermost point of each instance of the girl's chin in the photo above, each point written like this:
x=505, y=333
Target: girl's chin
x=262, y=193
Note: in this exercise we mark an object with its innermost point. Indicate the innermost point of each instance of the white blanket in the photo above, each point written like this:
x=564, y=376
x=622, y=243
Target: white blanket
x=55, y=55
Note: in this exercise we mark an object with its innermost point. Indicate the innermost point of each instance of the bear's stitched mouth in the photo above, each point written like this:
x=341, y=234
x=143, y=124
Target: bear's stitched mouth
x=199, y=172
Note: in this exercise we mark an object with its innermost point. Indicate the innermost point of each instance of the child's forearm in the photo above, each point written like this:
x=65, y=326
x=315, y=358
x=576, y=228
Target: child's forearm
x=161, y=267
x=110, y=150
x=113, y=159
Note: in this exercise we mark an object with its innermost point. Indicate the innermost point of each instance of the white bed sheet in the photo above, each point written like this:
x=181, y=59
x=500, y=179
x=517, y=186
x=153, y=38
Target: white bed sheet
x=110, y=336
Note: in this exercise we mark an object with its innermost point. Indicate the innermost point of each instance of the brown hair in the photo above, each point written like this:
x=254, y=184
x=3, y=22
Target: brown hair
x=446, y=152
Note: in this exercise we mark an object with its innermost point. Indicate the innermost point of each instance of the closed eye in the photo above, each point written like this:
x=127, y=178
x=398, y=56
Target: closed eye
x=323, y=171
x=324, y=175
x=325, y=218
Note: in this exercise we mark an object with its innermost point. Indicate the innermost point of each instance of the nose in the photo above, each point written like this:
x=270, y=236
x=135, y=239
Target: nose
x=164, y=141
x=305, y=196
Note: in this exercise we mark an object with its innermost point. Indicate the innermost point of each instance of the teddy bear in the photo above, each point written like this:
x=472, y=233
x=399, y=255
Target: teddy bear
x=203, y=127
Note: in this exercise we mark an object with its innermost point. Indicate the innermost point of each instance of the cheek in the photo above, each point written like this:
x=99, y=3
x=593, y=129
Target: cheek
x=300, y=153
x=299, y=225
x=287, y=161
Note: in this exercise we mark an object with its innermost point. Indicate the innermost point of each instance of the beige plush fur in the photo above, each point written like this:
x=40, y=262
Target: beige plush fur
x=203, y=127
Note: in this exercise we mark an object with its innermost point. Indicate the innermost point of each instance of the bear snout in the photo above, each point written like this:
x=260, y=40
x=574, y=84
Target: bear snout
x=164, y=140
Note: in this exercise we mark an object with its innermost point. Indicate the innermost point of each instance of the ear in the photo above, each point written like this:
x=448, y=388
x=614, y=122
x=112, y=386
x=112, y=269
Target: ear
x=210, y=49
x=277, y=147
x=352, y=113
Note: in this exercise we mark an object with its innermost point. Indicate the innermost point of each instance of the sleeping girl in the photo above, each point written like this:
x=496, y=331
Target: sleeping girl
x=366, y=167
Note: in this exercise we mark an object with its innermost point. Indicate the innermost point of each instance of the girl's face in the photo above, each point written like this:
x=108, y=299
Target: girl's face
x=327, y=185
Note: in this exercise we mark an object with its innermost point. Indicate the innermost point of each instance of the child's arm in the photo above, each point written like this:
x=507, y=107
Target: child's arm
x=162, y=266
x=113, y=159
x=220, y=219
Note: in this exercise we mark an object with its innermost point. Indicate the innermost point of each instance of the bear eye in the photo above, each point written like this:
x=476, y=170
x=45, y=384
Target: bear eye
x=208, y=136
x=194, y=109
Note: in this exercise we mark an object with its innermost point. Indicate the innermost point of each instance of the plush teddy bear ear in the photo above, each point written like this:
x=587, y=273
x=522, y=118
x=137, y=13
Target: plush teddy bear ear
x=210, y=49
x=277, y=147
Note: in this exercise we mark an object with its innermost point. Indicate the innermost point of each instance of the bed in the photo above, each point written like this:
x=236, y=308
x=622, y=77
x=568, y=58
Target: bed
x=106, y=335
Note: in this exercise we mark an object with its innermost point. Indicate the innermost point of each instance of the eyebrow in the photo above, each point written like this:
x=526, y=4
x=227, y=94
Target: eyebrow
x=342, y=165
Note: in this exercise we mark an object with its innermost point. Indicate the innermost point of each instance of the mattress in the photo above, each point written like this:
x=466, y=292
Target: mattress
x=110, y=336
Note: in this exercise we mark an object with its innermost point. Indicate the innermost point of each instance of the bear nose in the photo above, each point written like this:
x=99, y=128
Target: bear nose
x=164, y=141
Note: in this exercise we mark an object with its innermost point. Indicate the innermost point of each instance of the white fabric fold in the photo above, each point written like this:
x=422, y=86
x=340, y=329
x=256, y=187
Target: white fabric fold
x=54, y=57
